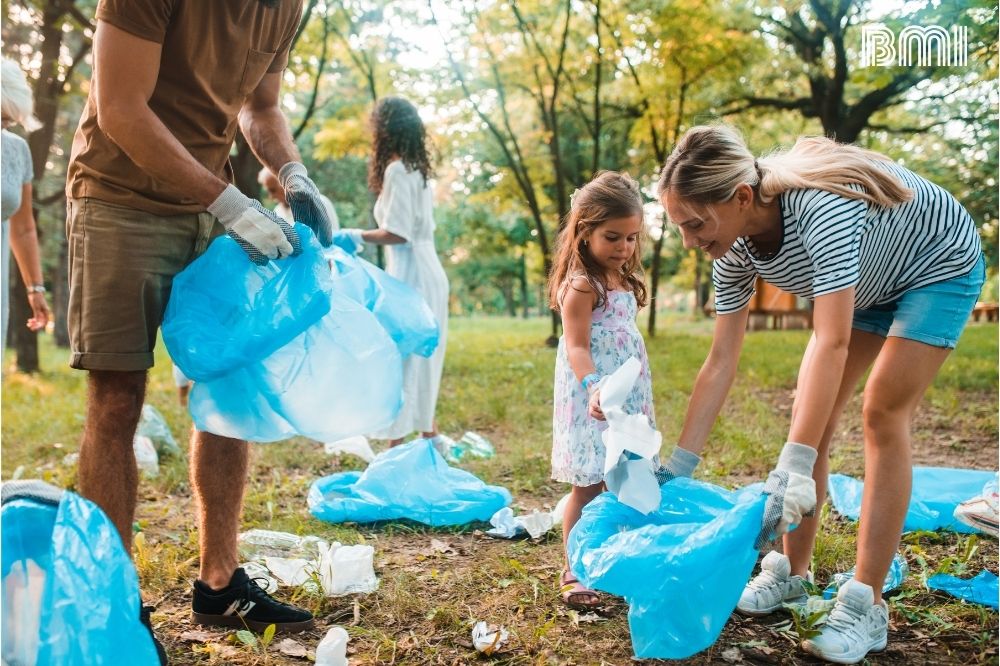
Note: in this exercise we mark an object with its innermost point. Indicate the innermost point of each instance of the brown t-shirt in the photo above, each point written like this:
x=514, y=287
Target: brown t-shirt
x=215, y=52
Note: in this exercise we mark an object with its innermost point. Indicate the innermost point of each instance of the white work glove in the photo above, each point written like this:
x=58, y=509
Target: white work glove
x=262, y=234
x=681, y=463
x=791, y=492
x=304, y=200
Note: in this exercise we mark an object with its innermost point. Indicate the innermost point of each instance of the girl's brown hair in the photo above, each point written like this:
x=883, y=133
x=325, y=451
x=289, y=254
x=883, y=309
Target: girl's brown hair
x=610, y=195
x=397, y=130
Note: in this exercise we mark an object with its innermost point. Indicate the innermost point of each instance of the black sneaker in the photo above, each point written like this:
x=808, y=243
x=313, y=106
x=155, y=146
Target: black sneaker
x=246, y=605
x=144, y=612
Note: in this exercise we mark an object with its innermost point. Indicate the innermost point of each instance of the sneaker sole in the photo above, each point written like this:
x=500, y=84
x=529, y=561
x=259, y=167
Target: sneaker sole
x=853, y=658
x=243, y=623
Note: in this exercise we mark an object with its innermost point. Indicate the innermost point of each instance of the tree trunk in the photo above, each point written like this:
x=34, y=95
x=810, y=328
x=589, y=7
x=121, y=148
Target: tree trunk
x=24, y=341
x=654, y=280
x=523, y=277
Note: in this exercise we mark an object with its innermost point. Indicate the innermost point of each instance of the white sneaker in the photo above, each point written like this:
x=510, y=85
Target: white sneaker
x=772, y=587
x=855, y=626
x=980, y=512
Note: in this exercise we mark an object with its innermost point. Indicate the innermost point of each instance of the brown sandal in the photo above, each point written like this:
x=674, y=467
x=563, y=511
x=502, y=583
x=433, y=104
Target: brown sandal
x=572, y=589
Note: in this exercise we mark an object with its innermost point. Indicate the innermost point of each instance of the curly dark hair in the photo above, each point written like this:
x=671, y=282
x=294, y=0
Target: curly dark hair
x=397, y=131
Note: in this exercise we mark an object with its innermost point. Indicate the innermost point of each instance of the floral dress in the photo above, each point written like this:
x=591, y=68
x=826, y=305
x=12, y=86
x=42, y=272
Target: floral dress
x=577, y=448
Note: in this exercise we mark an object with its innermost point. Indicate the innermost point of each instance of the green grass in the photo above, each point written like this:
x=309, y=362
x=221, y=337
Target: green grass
x=498, y=382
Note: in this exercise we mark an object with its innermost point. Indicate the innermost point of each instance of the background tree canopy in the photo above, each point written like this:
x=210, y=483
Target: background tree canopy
x=527, y=100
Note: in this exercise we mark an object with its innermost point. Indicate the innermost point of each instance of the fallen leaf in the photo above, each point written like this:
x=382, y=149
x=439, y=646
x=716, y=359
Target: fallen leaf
x=732, y=655
x=197, y=636
x=292, y=648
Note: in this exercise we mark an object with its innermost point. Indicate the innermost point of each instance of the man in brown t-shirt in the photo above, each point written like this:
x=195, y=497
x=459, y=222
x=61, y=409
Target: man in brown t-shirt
x=148, y=187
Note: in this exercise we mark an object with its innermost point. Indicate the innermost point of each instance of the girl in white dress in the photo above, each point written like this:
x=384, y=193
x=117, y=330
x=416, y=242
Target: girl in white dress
x=399, y=173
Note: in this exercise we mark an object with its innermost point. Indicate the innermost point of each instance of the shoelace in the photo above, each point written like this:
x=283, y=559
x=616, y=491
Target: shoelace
x=845, y=619
x=257, y=592
x=764, y=580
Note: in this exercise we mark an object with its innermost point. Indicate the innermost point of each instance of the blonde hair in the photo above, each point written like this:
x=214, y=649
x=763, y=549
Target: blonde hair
x=16, y=101
x=711, y=161
x=610, y=195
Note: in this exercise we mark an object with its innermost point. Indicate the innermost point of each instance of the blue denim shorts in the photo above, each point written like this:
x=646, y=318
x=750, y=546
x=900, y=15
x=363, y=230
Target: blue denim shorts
x=935, y=315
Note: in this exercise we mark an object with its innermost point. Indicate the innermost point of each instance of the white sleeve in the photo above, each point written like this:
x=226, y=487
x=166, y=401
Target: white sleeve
x=399, y=207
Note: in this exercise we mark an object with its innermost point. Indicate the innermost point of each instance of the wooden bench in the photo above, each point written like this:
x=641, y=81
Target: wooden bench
x=987, y=311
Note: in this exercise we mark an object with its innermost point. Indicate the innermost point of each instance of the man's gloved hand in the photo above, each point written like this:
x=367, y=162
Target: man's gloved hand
x=681, y=463
x=261, y=233
x=303, y=199
x=791, y=492
x=348, y=240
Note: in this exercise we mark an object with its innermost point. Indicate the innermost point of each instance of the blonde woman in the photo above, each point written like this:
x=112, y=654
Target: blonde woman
x=894, y=266
x=16, y=173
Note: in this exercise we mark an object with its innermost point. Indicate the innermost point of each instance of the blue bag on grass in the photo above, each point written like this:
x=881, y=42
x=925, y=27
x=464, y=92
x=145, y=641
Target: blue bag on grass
x=225, y=311
x=982, y=589
x=410, y=481
x=681, y=568
x=935, y=494
x=70, y=591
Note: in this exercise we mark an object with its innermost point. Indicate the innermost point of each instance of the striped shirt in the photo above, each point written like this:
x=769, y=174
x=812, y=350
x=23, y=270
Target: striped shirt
x=832, y=243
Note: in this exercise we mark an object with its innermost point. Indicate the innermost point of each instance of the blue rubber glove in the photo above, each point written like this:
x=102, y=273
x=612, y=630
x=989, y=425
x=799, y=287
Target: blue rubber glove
x=348, y=240
x=304, y=200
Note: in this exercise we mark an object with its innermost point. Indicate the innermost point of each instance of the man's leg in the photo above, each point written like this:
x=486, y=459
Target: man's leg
x=107, y=471
x=218, y=479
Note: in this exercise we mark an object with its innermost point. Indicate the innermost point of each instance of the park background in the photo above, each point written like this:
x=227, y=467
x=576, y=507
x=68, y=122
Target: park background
x=526, y=101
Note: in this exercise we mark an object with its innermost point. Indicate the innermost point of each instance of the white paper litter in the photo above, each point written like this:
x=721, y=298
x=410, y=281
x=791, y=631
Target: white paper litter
x=489, y=638
x=631, y=479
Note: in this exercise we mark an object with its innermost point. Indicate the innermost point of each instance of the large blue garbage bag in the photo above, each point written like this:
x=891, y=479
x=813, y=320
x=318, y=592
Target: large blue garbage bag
x=403, y=312
x=225, y=312
x=982, y=589
x=410, y=481
x=283, y=349
x=70, y=592
x=935, y=494
x=342, y=377
x=681, y=567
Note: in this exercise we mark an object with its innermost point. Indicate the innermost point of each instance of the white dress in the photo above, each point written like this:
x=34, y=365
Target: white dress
x=406, y=208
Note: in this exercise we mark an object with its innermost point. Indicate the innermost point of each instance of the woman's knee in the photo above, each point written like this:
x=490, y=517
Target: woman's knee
x=883, y=415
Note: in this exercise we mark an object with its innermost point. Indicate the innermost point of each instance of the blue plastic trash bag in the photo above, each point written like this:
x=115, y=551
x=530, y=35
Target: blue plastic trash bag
x=402, y=311
x=342, y=377
x=682, y=567
x=70, y=592
x=936, y=492
x=410, y=481
x=225, y=312
x=894, y=578
x=982, y=590
x=277, y=350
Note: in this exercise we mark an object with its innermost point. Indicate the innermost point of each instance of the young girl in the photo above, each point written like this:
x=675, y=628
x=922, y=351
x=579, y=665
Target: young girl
x=893, y=264
x=597, y=287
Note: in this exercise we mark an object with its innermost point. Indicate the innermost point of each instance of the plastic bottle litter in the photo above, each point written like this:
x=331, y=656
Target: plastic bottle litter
x=898, y=571
x=153, y=425
x=489, y=638
x=472, y=444
x=357, y=446
x=507, y=526
x=145, y=455
x=332, y=650
x=477, y=446
x=293, y=560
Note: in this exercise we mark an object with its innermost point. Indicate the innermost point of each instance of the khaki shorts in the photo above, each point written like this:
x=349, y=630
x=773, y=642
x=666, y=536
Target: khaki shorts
x=122, y=263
